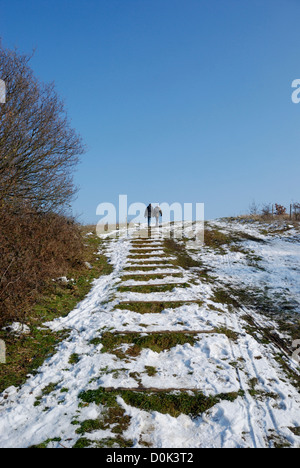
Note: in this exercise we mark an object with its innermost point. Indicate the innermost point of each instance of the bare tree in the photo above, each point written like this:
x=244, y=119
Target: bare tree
x=266, y=210
x=38, y=149
x=253, y=209
x=296, y=209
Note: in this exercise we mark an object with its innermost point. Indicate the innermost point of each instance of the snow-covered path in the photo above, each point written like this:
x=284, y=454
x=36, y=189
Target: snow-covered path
x=247, y=399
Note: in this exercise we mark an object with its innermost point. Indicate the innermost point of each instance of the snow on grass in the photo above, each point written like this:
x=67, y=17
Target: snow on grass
x=256, y=401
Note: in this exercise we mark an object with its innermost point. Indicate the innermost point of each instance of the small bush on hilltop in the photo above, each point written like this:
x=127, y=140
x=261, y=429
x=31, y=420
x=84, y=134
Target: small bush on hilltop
x=280, y=210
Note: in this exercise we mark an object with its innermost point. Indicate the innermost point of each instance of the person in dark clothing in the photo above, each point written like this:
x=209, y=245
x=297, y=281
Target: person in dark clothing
x=149, y=214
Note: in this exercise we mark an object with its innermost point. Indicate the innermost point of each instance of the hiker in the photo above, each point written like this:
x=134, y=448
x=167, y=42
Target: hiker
x=157, y=213
x=149, y=214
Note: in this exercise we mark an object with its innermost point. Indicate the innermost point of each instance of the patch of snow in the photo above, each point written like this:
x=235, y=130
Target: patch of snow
x=17, y=328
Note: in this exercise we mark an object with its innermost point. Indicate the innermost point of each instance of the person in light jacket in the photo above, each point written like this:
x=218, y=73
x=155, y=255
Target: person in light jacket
x=157, y=213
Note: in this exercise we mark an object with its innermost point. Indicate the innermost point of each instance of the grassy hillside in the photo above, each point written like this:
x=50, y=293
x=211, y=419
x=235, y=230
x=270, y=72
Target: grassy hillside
x=56, y=298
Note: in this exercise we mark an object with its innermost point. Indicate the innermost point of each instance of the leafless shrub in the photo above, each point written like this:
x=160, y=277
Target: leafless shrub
x=253, y=209
x=296, y=211
x=266, y=211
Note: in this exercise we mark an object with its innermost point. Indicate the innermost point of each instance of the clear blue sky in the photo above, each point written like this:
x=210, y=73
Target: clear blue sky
x=176, y=100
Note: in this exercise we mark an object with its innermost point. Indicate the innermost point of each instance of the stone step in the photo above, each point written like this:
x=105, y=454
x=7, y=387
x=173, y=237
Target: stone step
x=164, y=332
x=150, y=389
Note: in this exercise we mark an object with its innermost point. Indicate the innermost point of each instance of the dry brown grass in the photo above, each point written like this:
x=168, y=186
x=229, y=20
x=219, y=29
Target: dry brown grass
x=34, y=248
